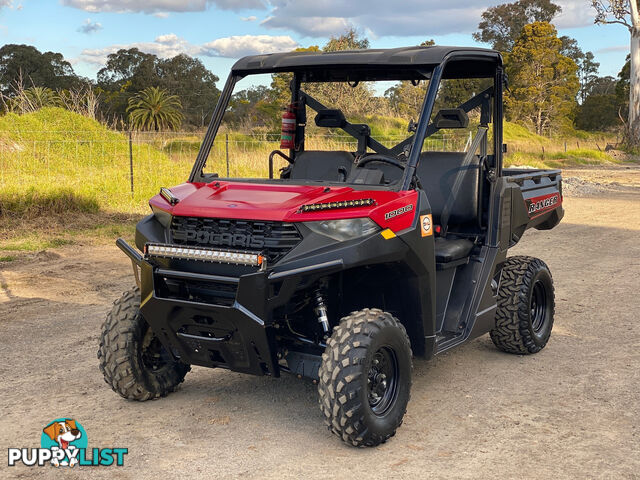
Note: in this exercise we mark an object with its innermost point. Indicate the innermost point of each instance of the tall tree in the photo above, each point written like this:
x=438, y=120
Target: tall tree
x=627, y=13
x=35, y=69
x=543, y=82
x=501, y=25
x=131, y=68
x=587, y=67
x=622, y=89
x=190, y=80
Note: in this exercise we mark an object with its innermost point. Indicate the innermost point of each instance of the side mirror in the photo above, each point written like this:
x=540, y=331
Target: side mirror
x=451, y=118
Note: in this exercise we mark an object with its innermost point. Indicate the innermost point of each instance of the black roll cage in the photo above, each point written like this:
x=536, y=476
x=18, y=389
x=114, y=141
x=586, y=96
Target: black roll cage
x=423, y=130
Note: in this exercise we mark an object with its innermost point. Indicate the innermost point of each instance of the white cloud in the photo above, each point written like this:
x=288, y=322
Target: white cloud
x=161, y=14
x=239, y=46
x=164, y=46
x=378, y=18
x=90, y=27
x=161, y=6
x=309, y=26
x=252, y=18
x=614, y=48
x=575, y=13
x=170, y=45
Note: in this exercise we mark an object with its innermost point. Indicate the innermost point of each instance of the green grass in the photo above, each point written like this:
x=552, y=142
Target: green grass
x=514, y=133
x=34, y=243
x=7, y=258
x=81, y=160
x=33, y=202
x=583, y=155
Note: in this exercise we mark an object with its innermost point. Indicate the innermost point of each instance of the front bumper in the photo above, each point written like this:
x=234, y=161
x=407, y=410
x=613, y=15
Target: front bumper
x=234, y=332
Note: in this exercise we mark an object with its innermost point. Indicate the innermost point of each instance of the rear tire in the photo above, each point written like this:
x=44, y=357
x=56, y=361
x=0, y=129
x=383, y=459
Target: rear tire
x=524, y=318
x=365, y=378
x=132, y=359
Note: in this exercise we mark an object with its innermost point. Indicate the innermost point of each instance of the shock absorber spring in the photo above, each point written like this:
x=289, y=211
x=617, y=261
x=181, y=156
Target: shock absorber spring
x=321, y=311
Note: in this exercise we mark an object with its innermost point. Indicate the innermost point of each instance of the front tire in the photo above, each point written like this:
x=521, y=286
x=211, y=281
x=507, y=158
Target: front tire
x=365, y=378
x=132, y=359
x=524, y=318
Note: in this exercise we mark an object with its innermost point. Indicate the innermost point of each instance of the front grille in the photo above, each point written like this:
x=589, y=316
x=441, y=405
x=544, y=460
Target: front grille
x=273, y=239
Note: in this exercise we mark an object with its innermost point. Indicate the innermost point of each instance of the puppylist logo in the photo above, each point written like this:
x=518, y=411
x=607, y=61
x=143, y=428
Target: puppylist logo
x=63, y=443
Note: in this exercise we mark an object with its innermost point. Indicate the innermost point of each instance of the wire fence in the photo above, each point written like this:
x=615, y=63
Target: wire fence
x=124, y=169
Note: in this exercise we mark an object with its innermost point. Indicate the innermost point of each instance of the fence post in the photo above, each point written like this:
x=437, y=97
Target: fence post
x=226, y=148
x=565, y=146
x=543, y=152
x=131, y=162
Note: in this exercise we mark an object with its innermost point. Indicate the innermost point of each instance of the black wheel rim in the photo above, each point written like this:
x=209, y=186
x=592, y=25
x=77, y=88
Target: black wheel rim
x=538, y=307
x=153, y=354
x=382, y=380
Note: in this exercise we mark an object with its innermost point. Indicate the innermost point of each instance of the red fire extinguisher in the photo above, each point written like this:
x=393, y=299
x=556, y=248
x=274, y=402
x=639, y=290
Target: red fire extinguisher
x=288, y=134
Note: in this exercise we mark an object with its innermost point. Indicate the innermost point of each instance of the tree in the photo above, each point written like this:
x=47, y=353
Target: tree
x=598, y=112
x=627, y=13
x=129, y=71
x=543, y=82
x=350, y=40
x=251, y=108
x=623, y=87
x=27, y=66
x=501, y=25
x=602, y=86
x=129, y=66
x=190, y=80
x=587, y=67
x=154, y=109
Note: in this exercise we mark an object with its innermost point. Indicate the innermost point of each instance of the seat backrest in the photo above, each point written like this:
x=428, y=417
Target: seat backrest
x=319, y=165
x=437, y=173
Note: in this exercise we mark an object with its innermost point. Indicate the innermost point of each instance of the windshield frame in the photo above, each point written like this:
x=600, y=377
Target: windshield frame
x=435, y=75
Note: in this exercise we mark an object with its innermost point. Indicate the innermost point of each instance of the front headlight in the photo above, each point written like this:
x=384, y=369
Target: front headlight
x=343, y=230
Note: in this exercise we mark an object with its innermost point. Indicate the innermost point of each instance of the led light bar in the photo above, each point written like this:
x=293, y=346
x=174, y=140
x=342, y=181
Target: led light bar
x=204, y=254
x=363, y=202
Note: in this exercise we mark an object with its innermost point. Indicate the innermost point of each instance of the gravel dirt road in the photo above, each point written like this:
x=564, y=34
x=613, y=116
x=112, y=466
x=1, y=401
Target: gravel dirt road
x=572, y=411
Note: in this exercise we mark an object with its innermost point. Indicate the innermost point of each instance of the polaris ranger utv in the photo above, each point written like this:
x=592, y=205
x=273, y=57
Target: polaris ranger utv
x=347, y=263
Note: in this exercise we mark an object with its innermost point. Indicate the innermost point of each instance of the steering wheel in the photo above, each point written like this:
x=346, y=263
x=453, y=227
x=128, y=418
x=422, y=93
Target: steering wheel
x=379, y=157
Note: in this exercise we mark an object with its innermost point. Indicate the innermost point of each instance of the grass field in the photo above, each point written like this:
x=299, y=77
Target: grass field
x=64, y=177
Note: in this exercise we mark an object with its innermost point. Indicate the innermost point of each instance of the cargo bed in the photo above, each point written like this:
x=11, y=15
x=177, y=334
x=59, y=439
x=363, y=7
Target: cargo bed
x=537, y=202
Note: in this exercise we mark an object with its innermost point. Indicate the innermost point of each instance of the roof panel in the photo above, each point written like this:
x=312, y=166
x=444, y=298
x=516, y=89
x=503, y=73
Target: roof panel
x=413, y=57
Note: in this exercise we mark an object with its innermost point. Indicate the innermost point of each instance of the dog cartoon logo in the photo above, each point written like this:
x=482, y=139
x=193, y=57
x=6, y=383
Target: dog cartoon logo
x=64, y=437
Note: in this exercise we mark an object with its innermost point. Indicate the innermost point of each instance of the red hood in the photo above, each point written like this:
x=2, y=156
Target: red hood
x=277, y=202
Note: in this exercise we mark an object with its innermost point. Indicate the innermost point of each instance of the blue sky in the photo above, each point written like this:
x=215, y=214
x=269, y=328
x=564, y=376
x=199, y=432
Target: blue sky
x=220, y=31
